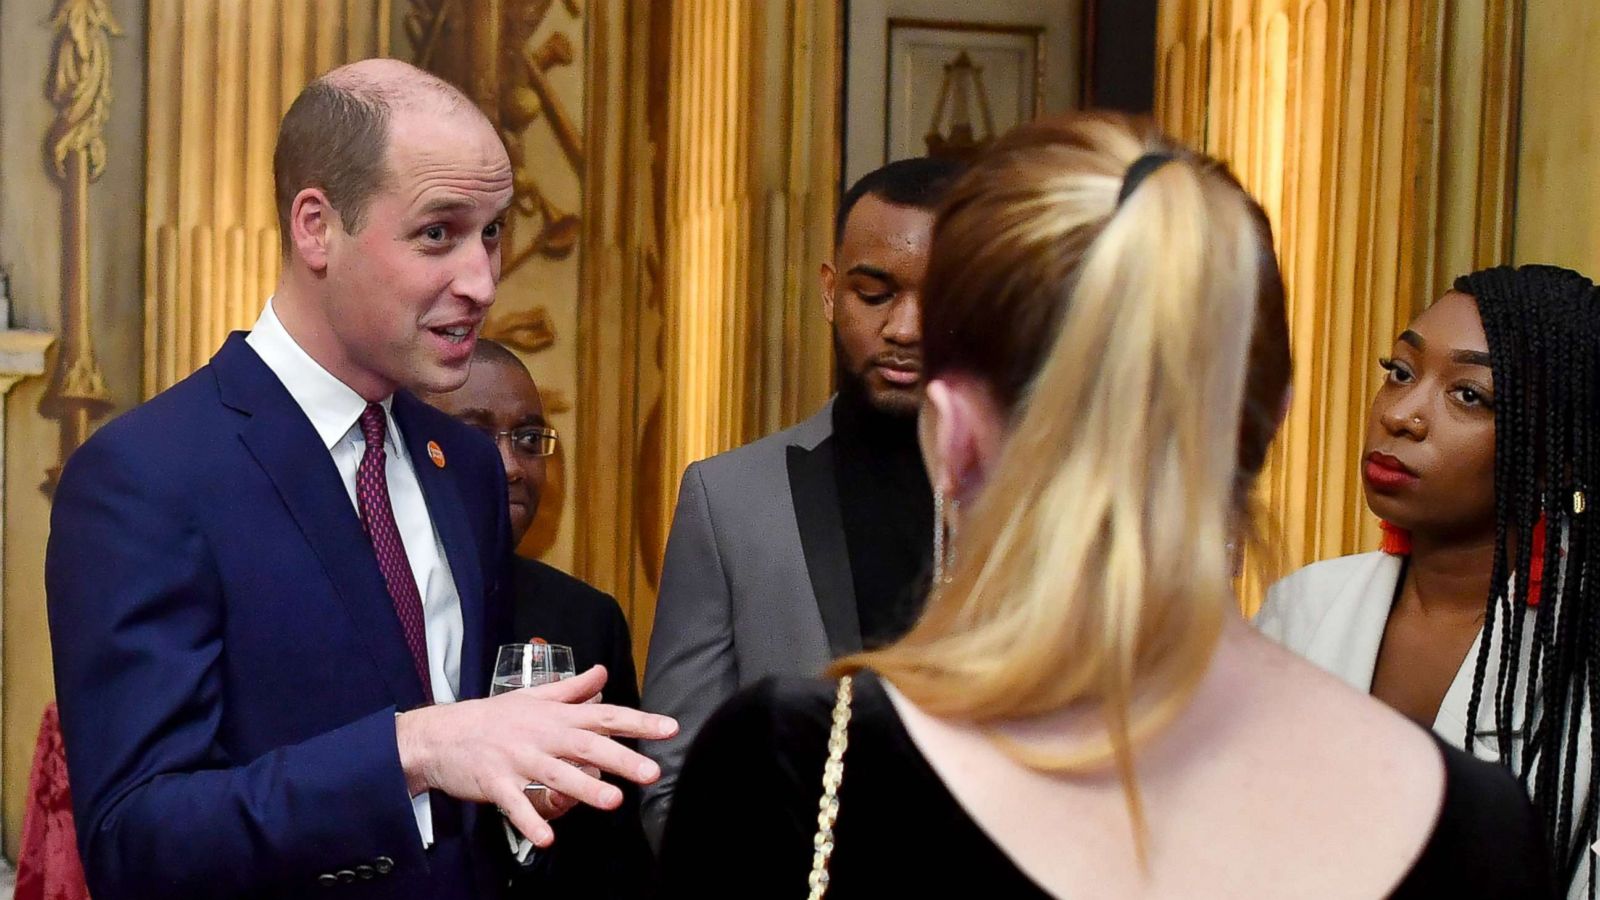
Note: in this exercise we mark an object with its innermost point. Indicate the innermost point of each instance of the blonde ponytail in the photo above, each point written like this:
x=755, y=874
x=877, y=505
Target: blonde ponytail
x=1093, y=569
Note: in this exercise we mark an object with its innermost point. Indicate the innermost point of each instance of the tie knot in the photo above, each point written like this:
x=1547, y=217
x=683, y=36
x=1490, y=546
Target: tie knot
x=372, y=426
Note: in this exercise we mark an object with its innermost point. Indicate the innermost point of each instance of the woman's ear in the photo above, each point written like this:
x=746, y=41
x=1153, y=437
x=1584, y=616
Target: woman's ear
x=960, y=429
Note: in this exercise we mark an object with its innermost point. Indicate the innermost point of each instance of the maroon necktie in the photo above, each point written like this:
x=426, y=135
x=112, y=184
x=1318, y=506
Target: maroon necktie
x=377, y=517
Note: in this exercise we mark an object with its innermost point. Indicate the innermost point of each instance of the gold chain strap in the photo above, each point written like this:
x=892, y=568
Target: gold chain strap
x=828, y=807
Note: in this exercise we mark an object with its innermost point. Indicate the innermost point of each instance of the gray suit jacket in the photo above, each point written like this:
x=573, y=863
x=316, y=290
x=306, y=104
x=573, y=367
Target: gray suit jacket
x=756, y=582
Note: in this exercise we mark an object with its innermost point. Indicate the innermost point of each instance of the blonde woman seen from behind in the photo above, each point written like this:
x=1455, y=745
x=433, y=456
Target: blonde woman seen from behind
x=1081, y=711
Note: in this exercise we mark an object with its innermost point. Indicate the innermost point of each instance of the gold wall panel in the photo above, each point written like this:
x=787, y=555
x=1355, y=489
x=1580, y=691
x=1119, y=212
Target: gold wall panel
x=80, y=87
x=72, y=76
x=221, y=74
x=1558, y=170
x=1468, y=99
x=751, y=179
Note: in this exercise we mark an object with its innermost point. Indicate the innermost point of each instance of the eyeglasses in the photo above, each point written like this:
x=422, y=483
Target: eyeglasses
x=529, y=440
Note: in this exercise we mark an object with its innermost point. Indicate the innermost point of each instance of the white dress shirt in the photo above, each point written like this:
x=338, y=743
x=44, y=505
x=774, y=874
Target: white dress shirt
x=335, y=411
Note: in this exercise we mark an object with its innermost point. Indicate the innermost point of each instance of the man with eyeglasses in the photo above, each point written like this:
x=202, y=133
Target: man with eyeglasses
x=597, y=853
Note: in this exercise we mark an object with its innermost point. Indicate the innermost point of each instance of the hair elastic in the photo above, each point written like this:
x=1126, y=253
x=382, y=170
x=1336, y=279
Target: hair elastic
x=1140, y=170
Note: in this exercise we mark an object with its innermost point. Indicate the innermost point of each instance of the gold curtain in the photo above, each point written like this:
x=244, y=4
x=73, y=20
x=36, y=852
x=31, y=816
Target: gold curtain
x=221, y=73
x=1375, y=135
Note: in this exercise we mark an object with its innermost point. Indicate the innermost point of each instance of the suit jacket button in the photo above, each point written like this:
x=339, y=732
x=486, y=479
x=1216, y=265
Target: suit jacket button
x=346, y=876
x=365, y=872
x=327, y=880
x=383, y=864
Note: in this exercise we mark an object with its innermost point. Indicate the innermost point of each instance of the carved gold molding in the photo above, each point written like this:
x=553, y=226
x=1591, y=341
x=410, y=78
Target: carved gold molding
x=80, y=88
x=620, y=354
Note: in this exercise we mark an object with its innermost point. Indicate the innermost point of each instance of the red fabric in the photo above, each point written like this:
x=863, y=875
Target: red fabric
x=48, y=867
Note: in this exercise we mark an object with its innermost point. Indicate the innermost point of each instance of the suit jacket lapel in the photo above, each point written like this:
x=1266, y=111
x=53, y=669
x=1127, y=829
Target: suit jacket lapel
x=280, y=437
x=821, y=524
x=449, y=517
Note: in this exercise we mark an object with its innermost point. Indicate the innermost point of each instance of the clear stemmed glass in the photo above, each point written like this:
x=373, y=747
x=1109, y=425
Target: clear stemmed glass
x=523, y=666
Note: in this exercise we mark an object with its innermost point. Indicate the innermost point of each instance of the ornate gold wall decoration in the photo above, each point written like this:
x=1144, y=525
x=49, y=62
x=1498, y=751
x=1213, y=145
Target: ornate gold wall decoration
x=517, y=59
x=486, y=46
x=221, y=73
x=528, y=330
x=1557, y=171
x=1467, y=87
x=80, y=87
x=712, y=236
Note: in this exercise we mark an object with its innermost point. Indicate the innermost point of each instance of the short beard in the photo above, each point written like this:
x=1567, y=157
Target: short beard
x=854, y=386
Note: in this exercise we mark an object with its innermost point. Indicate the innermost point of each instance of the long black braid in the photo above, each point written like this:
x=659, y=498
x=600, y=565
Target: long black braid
x=1543, y=330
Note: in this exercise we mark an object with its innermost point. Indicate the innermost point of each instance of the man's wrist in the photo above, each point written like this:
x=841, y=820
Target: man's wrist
x=410, y=737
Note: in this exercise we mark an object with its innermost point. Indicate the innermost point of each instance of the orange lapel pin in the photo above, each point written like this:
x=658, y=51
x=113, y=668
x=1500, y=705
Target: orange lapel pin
x=435, y=454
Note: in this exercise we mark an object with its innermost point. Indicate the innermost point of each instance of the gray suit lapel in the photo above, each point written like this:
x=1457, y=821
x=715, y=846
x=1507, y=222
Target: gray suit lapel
x=821, y=524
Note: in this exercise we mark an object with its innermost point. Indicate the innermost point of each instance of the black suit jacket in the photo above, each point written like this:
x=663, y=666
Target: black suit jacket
x=597, y=854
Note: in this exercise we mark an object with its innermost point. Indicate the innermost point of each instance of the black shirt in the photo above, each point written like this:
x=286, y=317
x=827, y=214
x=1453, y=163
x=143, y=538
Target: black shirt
x=745, y=813
x=886, y=504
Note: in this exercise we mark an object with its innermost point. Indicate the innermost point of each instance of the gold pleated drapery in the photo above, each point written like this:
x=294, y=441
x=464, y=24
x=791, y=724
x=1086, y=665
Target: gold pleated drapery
x=221, y=75
x=1375, y=135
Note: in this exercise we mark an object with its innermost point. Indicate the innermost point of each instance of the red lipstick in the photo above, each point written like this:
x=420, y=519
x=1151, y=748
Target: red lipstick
x=1385, y=473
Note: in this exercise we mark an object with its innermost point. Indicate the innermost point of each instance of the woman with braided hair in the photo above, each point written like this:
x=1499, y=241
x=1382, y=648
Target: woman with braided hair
x=1484, y=605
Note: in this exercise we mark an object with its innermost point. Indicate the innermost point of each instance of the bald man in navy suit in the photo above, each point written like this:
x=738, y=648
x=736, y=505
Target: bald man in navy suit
x=276, y=589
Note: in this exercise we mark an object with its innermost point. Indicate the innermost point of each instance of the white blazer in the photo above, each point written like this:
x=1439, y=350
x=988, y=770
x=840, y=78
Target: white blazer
x=1333, y=614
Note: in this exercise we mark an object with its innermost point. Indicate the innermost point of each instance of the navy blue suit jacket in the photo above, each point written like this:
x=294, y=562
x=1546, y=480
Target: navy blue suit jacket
x=229, y=663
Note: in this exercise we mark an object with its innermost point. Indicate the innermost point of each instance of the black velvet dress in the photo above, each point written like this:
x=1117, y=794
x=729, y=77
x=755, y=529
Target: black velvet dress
x=745, y=813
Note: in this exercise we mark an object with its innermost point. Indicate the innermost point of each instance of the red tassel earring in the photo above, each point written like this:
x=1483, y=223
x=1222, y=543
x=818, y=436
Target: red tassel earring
x=1396, y=540
x=1536, y=563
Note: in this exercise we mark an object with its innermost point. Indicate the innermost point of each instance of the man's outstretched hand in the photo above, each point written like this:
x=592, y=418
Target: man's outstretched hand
x=487, y=751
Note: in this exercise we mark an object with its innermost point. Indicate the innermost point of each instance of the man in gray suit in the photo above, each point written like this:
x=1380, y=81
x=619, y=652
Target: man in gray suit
x=813, y=542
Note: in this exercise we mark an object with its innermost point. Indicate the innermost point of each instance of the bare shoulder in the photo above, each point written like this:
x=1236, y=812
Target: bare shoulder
x=1276, y=780
x=1333, y=724
x=1376, y=779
